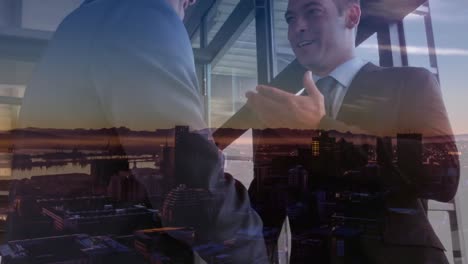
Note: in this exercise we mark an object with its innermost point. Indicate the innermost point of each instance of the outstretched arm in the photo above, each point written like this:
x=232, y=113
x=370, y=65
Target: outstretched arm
x=145, y=78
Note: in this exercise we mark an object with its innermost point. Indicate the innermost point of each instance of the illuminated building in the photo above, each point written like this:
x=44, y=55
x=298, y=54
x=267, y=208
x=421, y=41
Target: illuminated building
x=182, y=206
x=323, y=145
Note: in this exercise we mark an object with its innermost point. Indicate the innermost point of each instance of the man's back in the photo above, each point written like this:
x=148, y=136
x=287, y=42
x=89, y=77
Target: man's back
x=116, y=63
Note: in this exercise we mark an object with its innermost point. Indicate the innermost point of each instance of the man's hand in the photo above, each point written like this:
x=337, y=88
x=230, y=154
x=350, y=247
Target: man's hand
x=278, y=109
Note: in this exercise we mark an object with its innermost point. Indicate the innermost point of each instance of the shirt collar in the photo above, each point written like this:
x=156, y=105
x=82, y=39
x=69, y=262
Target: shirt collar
x=345, y=72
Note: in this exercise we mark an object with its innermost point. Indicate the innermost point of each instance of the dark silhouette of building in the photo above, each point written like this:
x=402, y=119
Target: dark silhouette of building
x=167, y=167
x=124, y=186
x=102, y=171
x=180, y=136
x=410, y=154
x=106, y=219
x=324, y=157
x=298, y=178
x=384, y=151
x=164, y=245
x=323, y=145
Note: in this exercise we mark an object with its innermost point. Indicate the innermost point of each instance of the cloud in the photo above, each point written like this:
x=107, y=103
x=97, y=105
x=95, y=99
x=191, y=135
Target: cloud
x=419, y=50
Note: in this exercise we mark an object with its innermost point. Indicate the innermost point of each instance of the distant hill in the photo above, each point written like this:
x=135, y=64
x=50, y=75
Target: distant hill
x=47, y=133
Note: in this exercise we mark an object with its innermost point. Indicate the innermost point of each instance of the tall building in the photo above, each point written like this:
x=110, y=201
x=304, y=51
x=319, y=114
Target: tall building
x=384, y=151
x=410, y=153
x=324, y=156
x=180, y=134
x=167, y=167
x=298, y=178
x=124, y=186
x=109, y=218
x=323, y=145
x=103, y=170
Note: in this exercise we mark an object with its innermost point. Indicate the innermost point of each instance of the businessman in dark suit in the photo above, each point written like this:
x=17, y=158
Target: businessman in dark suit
x=345, y=94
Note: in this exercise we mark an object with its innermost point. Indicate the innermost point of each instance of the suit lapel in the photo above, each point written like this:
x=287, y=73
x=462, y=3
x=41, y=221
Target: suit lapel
x=352, y=107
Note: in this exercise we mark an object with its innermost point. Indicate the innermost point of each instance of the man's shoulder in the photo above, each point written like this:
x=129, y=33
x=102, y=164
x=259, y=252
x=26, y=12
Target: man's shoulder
x=406, y=72
x=395, y=77
x=111, y=17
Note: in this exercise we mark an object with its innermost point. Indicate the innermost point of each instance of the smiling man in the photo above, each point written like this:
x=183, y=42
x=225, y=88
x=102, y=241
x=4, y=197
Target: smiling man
x=346, y=94
x=322, y=35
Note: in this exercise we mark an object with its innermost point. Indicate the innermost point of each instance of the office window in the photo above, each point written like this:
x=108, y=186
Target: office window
x=233, y=75
x=218, y=15
x=284, y=53
x=416, y=40
x=369, y=50
x=46, y=14
x=24, y=23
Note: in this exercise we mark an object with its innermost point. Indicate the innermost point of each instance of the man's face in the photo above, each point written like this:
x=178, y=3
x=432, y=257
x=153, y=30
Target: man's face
x=180, y=6
x=318, y=34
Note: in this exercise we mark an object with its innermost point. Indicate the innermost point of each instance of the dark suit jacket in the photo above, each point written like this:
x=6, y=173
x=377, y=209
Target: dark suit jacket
x=384, y=102
x=387, y=101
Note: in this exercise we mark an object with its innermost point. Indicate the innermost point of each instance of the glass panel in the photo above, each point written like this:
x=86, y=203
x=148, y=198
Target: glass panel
x=10, y=96
x=233, y=76
x=449, y=21
x=9, y=110
x=46, y=14
x=196, y=39
x=369, y=50
x=284, y=53
x=440, y=221
x=416, y=41
x=239, y=159
x=218, y=15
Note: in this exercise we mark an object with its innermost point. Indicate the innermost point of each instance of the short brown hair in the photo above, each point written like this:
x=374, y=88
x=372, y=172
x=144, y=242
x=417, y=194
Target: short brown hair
x=342, y=4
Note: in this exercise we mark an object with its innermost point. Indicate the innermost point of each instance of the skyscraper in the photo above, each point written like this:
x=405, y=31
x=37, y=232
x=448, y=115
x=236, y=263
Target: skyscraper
x=180, y=133
x=410, y=153
x=384, y=151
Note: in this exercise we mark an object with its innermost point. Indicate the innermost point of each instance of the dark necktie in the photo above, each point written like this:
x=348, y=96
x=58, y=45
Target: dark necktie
x=326, y=86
